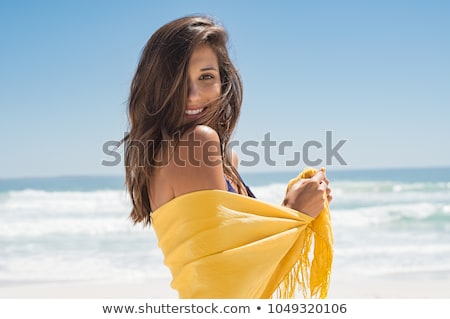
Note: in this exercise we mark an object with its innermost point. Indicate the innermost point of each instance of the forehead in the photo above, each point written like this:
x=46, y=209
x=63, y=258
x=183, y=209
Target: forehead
x=203, y=55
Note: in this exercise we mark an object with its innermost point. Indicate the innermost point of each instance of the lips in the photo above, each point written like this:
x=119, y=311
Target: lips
x=194, y=113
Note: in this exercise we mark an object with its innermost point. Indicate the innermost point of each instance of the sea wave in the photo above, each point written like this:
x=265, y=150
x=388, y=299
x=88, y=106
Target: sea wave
x=418, y=214
x=380, y=227
x=26, y=203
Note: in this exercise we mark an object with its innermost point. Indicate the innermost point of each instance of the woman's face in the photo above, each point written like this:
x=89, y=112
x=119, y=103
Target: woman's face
x=204, y=86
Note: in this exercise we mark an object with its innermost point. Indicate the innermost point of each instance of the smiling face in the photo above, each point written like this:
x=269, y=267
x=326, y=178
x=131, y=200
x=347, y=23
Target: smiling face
x=204, y=84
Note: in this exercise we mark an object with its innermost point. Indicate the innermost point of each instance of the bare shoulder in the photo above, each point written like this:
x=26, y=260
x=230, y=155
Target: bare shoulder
x=202, y=134
x=196, y=163
x=200, y=147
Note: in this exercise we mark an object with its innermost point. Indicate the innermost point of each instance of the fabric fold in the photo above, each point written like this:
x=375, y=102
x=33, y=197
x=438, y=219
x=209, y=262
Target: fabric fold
x=219, y=244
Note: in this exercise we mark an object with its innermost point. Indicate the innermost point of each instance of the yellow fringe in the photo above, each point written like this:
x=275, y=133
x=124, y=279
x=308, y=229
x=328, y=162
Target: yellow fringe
x=316, y=274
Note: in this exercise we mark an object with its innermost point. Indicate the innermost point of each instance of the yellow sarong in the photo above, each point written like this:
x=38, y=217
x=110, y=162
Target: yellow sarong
x=219, y=244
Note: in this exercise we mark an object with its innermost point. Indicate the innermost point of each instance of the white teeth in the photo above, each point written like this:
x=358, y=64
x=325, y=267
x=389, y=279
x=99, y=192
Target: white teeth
x=193, y=112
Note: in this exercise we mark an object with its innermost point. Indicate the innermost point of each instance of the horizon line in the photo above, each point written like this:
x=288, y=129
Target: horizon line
x=246, y=172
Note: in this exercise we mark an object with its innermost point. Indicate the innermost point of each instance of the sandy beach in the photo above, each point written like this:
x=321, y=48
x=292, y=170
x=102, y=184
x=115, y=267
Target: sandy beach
x=416, y=287
x=342, y=287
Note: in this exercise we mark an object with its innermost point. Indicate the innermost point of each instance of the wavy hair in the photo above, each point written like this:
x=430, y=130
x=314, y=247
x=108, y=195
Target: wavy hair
x=158, y=97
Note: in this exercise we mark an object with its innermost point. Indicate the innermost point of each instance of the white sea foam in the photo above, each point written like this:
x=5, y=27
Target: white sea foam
x=395, y=250
x=272, y=193
x=384, y=214
x=35, y=202
x=65, y=226
x=379, y=227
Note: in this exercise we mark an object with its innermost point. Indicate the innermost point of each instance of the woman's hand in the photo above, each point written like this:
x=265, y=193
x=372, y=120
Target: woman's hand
x=309, y=195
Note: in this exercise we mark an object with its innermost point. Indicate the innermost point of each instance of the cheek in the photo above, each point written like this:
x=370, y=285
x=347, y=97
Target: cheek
x=209, y=90
x=218, y=89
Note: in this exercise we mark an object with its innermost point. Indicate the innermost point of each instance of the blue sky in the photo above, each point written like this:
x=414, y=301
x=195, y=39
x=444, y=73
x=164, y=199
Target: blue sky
x=374, y=73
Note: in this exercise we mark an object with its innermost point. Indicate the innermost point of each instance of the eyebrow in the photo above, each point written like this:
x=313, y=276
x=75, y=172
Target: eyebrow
x=208, y=68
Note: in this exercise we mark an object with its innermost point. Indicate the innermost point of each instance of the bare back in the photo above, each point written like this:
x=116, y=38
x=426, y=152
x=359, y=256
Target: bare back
x=195, y=164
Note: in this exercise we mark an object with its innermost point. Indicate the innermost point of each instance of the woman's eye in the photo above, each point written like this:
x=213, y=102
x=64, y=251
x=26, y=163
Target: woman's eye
x=206, y=77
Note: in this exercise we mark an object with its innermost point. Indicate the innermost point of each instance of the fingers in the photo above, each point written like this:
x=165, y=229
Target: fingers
x=323, y=183
x=323, y=187
x=300, y=182
x=319, y=177
x=320, y=180
x=329, y=196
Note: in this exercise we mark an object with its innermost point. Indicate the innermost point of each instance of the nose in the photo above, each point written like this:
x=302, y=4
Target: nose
x=193, y=92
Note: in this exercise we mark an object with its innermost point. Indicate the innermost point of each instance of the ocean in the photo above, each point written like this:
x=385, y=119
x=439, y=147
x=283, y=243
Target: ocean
x=392, y=222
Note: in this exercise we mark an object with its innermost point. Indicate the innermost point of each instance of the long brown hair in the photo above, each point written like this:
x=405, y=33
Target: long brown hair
x=158, y=98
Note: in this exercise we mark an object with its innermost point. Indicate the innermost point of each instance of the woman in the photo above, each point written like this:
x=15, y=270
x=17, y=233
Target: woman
x=184, y=103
